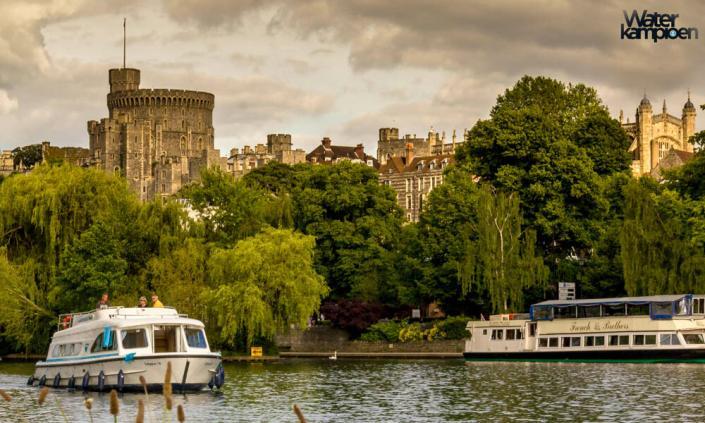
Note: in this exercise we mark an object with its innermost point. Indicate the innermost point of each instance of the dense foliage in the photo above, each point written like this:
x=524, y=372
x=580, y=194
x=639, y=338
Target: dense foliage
x=540, y=193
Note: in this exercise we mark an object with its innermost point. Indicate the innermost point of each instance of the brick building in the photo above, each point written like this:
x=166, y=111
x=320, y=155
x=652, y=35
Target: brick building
x=327, y=153
x=413, y=178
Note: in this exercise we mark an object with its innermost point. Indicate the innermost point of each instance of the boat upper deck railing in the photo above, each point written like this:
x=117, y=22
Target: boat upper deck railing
x=655, y=307
x=70, y=320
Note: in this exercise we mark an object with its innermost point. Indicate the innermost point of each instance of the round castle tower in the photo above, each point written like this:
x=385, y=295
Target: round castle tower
x=158, y=139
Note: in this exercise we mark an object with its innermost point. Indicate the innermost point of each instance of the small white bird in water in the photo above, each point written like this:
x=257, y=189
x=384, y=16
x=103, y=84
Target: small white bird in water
x=334, y=356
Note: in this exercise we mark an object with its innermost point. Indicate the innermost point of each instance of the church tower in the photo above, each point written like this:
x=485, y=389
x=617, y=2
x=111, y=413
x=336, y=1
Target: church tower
x=644, y=117
x=688, y=124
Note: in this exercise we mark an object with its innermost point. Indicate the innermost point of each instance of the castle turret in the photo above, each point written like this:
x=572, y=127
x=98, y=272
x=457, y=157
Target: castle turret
x=644, y=119
x=124, y=79
x=688, y=119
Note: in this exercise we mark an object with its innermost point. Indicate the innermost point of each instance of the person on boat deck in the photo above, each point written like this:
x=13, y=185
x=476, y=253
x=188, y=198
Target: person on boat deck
x=155, y=301
x=104, y=302
x=142, y=303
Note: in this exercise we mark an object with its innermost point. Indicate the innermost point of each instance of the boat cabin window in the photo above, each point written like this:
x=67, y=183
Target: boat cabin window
x=619, y=339
x=669, y=339
x=698, y=305
x=548, y=342
x=195, y=338
x=594, y=341
x=570, y=341
x=644, y=339
x=514, y=334
x=565, y=312
x=484, y=331
x=66, y=350
x=166, y=339
x=589, y=311
x=637, y=309
x=542, y=312
x=497, y=334
x=693, y=338
x=662, y=309
x=613, y=310
x=100, y=345
x=134, y=338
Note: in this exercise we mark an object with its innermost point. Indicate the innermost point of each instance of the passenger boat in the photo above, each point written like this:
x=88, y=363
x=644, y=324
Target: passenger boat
x=111, y=348
x=664, y=328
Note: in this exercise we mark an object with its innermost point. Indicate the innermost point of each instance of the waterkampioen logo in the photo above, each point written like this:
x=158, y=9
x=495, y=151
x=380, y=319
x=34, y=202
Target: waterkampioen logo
x=655, y=26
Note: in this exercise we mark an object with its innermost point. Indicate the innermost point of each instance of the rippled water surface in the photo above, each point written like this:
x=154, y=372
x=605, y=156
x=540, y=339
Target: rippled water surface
x=403, y=391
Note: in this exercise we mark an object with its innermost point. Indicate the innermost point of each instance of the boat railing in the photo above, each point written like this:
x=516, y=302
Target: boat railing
x=69, y=320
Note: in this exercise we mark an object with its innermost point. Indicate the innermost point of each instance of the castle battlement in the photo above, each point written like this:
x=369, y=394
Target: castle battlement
x=161, y=97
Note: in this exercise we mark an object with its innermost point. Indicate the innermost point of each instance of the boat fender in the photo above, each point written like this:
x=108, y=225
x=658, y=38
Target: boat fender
x=101, y=381
x=43, y=380
x=120, y=380
x=220, y=377
x=85, y=381
x=72, y=383
x=211, y=382
x=57, y=380
x=30, y=381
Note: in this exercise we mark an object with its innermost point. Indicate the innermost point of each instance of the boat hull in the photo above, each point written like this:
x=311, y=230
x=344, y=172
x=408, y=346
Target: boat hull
x=681, y=355
x=189, y=372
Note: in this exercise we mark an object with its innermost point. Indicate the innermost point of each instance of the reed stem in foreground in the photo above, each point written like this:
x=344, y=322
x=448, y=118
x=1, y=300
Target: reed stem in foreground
x=299, y=414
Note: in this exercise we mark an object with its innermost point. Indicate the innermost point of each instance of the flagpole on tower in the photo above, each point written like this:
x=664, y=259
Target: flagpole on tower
x=124, y=43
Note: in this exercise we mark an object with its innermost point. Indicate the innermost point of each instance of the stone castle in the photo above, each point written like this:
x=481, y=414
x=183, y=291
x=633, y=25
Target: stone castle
x=157, y=139
x=653, y=136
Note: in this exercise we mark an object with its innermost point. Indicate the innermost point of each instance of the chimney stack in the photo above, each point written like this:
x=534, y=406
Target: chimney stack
x=409, y=153
x=326, y=142
x=360, y=152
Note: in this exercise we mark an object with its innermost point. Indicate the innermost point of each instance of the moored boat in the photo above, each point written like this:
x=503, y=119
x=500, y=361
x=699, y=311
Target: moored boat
x=111, y=348
x=664, y=328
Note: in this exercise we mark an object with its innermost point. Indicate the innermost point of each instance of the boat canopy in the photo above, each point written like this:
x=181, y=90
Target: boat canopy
x=656, y=306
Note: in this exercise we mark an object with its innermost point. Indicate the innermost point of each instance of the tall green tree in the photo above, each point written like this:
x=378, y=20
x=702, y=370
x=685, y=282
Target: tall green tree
x=264, y=284
x=445, y=227
x=24, y=314
x=660, y=253
x=502, y=260
x=689, y=179
x=548, y=141
x=231, y=210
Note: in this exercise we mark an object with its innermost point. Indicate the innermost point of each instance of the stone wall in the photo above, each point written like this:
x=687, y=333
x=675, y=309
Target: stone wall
x=326, y=339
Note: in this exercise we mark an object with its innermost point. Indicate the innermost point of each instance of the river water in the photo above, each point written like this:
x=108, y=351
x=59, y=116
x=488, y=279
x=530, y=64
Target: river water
x=401, y=391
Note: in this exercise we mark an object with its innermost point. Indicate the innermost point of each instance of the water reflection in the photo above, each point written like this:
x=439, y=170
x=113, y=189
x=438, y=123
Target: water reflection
x=415, y=391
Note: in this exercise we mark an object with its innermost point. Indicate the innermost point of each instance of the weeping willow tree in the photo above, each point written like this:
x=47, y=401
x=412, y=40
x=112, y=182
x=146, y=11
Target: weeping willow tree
x=263, y=285
x=658, y=254
x=501, y=260
x=41, y=214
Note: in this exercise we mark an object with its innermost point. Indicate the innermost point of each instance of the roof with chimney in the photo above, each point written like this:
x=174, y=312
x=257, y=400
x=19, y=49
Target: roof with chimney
x=327, y=153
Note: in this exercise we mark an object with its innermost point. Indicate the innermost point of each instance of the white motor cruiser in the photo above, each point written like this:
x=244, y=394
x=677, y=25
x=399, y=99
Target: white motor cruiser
x=111, y=348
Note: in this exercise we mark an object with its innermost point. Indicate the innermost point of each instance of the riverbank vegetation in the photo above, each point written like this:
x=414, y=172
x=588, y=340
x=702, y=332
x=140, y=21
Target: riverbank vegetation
x=541, y=193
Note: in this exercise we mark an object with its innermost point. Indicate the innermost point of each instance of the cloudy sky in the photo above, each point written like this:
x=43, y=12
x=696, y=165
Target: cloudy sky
x=335, y=68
